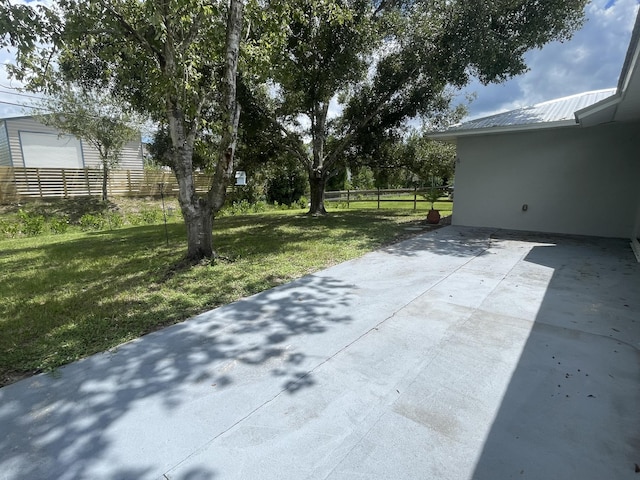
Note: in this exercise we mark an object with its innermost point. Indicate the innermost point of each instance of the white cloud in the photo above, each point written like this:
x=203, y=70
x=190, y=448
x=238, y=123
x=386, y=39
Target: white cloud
x=591, y=60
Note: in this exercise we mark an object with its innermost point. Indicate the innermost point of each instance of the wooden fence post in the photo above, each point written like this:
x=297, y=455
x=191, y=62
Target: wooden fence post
x=348, y=195
x=39, y=182
x=64, y=183
x=86, y=178
x=415, y=198
x=378, y=198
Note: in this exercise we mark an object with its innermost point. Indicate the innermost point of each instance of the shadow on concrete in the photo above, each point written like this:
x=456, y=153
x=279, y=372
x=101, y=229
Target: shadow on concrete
x=571, y=407
x=60, y=426
x=451, y=241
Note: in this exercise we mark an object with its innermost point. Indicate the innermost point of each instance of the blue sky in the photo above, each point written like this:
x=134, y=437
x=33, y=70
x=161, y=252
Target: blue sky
x=591, y=60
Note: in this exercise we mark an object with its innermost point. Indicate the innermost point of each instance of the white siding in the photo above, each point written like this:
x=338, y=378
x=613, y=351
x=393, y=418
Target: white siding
x=574, y=180
x=5, y=154
x=131, y=155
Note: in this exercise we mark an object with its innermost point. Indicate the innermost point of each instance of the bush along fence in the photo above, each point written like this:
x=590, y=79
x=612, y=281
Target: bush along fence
x=399, y=195
x=19, y=184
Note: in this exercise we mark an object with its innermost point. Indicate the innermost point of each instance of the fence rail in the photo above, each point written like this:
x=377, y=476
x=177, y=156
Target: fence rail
x=18, y=184
x=382, y=195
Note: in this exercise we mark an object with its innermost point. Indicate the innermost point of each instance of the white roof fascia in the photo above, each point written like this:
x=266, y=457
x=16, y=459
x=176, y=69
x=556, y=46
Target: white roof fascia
x=600, y=112
x=453, y=134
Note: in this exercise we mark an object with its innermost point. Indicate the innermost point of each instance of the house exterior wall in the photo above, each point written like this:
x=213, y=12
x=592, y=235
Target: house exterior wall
x=131, y=157
x=5, y=153
x=580, y=181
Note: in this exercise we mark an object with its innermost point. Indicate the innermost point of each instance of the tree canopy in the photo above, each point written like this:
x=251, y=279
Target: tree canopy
x=350, y=71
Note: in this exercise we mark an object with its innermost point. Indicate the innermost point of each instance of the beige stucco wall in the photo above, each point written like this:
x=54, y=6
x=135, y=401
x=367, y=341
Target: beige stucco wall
x=573, y=180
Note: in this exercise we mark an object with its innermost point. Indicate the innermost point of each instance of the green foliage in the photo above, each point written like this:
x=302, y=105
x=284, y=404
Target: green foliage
x=151, y=216
x=243, y=207
x=286, y=188
x=162, y=151
x=362, y=178
x=58, y=226
x=114, y=219
x=430, y=161
x=174, y=61
x=95, y=117
x=9, y=229
x=31, y=224
x=432, y=195
x=90, y=221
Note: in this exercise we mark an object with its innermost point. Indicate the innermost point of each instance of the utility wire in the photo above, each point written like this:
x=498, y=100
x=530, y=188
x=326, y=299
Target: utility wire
x=3, y=92
x=4, y=102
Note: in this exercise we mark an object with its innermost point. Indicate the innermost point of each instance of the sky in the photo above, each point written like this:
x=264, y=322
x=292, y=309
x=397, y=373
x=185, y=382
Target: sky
x=591, y=60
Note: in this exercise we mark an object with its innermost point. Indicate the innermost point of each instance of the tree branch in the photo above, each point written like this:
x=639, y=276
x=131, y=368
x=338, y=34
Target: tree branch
x=132, y=32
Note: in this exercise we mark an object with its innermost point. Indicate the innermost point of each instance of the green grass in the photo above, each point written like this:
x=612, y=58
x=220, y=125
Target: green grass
x=70, y=295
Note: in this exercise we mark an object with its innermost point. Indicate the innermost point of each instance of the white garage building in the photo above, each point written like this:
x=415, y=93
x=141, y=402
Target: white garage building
x=25, y=142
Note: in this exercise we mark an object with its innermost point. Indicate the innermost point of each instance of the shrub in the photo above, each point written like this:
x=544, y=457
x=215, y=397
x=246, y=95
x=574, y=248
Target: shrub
x=259, y=206
x=115, y=220
x=58, y=225
x=30, y=224
x=303, y=202
x=9, y=229
x=89, y=221
x=151, y=216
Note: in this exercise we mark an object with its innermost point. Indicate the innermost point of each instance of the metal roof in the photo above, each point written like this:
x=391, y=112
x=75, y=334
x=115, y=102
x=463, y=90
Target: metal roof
x=559, y=110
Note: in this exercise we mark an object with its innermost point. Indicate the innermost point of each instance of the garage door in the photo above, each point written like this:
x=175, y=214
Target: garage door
x=46, y=150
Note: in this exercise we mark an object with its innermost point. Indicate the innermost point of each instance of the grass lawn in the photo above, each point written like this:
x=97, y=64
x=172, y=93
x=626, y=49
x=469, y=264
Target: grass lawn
x=68, y=296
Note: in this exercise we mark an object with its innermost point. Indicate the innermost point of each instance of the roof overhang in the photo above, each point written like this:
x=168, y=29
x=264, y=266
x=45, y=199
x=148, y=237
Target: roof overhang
x=453, y=135
x=600, y=112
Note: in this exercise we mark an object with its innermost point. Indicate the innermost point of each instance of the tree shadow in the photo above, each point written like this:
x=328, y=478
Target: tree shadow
x=446, y=241
x=167, y=394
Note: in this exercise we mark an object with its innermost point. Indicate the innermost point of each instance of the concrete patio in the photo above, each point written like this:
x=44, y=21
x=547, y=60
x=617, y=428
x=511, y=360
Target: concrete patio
x=461, y=353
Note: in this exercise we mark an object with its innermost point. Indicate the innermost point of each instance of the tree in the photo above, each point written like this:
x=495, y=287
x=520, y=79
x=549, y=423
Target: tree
x=174, y=60
x=388, y=61
x=95, y=118
x=431, y=162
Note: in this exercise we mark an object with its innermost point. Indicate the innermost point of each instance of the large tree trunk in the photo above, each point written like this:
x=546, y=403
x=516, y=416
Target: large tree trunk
x=230, y=108
x=196, y=211
x=199, y=222
x=317, y=183
x=318, y=171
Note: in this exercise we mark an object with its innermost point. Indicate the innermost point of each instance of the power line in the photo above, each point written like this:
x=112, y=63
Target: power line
x=19, y=104
x=18, y=94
